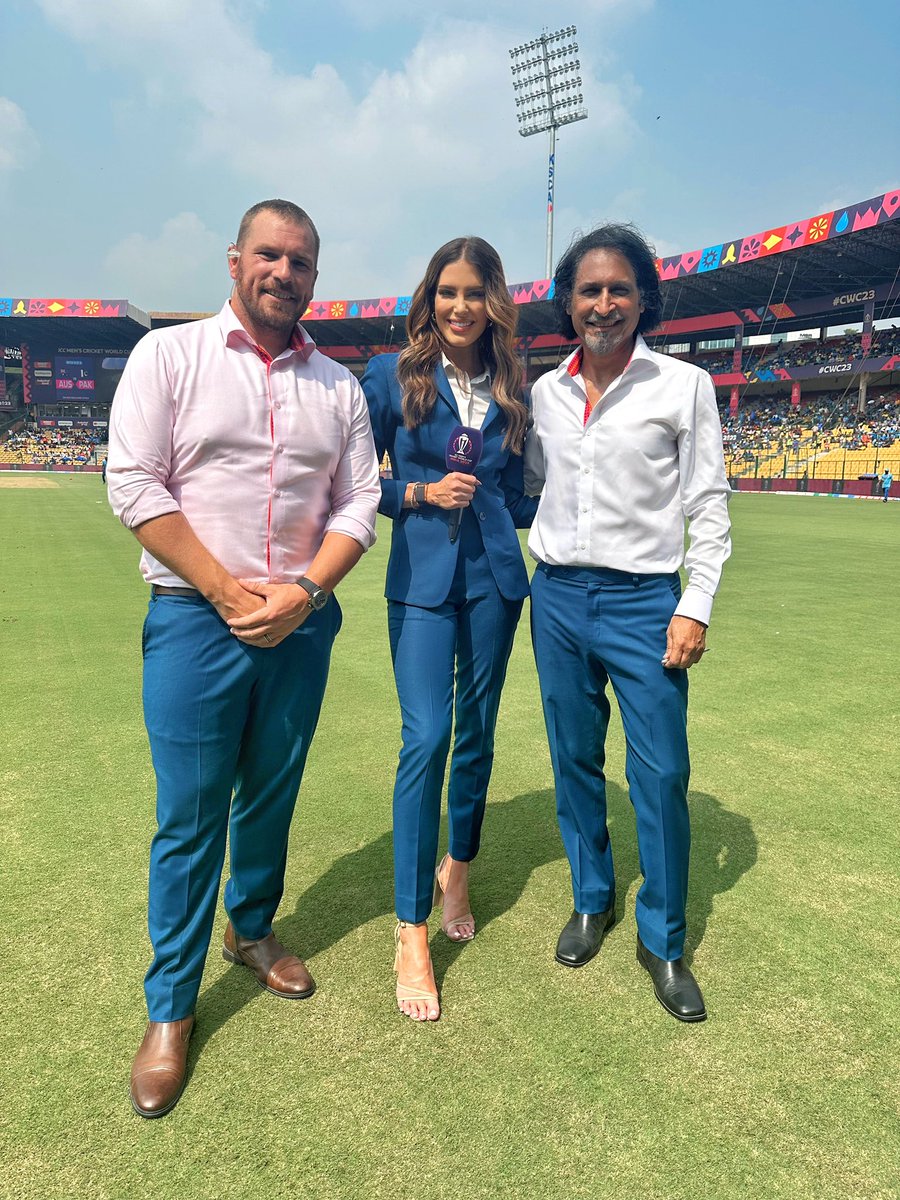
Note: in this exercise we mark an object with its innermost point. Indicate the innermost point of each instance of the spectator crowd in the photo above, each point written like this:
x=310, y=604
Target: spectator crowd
x=808, y=352
x=772, y=424
x=53, y=447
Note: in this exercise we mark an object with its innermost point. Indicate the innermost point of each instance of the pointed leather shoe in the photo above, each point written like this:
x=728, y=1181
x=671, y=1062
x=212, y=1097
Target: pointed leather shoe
x=160, y=1067
x=276, y=969
x=583, y=935
x=676, y=988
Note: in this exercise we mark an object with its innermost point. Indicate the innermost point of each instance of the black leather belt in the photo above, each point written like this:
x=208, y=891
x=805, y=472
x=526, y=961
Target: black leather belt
x=157, y=590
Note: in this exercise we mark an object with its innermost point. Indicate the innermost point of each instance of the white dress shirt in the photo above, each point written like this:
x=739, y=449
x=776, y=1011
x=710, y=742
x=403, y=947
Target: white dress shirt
x=615, y=491
x=263, y=457
x=472, y=394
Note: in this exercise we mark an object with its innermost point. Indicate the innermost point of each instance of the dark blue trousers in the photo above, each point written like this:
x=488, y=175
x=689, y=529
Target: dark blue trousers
x=466, y=640
x=230, y=727
x=590, y=626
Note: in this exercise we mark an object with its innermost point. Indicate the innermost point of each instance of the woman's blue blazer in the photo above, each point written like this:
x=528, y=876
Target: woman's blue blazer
x=423, y=560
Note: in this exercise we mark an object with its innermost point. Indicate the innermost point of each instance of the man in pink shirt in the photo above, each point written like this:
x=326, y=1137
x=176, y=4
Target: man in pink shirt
x=242, y=459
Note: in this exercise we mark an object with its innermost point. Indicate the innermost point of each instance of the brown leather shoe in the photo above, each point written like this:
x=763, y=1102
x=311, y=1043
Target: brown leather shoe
x=159, y=1068
x=276, y=970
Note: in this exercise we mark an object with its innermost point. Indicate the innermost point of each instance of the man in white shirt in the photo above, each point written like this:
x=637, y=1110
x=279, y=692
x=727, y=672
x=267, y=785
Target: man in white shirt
x=626, y=446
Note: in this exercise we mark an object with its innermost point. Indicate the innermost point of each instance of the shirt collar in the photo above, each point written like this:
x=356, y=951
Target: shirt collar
x=572, y=365
x=234, y=334
x=484, y=377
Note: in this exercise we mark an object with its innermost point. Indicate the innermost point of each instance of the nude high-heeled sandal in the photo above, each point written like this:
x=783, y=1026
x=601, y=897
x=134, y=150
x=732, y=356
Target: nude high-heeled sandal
x=412, y=991
x=451, y=928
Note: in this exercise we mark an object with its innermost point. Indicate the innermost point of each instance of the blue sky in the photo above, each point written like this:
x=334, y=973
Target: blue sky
x=134, y=133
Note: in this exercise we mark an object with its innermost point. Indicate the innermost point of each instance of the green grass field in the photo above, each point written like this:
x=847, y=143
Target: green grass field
x=538, y=1081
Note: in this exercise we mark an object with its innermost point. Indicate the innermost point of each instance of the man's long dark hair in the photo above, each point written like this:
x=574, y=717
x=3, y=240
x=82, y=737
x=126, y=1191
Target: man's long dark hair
x=632, y=245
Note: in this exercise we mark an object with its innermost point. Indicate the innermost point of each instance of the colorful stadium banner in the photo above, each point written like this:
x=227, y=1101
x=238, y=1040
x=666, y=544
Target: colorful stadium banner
x=810, y=231
x=816, y=229
x=22, y=307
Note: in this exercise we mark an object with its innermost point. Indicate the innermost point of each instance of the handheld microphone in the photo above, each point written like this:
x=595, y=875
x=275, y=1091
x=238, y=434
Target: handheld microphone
x=463, y=454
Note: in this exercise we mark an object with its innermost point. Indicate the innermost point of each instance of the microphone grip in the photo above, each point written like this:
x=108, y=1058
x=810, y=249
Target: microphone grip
x=453, y=526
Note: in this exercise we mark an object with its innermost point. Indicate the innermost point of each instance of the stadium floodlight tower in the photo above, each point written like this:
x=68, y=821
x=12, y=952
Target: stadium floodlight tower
x=548, y=94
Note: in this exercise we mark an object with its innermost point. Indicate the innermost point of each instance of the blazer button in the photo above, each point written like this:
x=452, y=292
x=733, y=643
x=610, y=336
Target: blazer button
x=481, y=516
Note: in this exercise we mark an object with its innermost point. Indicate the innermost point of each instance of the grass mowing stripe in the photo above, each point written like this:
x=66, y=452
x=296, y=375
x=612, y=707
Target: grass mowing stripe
x=537, y=1081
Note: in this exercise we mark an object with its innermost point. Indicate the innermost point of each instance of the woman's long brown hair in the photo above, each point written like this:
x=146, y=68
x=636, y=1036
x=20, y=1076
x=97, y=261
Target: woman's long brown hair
x=422, y=354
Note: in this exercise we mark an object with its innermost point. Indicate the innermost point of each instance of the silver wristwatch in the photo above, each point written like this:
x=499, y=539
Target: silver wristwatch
x=318, y=597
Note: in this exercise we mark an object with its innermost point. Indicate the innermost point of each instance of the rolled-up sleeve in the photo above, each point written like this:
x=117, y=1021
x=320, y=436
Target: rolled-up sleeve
x=355, y=491
x=140, y=438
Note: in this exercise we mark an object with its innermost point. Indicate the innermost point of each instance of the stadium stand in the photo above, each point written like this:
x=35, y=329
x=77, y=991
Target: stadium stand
x=825, y=436
x=822, y=408
x=56, y=448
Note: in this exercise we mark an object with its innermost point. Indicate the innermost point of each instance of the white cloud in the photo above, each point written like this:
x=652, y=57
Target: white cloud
x=173, y=270
x=426, y=150
x=18, y=143
x=517, y=13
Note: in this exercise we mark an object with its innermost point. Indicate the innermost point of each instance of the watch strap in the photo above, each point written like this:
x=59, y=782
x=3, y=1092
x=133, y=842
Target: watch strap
x=318, y=597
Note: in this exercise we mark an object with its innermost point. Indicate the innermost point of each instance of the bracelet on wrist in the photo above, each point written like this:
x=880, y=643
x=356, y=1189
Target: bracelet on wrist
x=418, y=494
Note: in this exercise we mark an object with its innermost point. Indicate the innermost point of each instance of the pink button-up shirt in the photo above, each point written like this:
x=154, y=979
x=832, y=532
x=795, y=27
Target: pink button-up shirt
x=263, y=457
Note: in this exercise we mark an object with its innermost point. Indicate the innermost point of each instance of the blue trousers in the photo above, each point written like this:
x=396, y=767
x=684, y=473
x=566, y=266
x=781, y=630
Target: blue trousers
x=468, y=637
x=590, y=626
x=230, y=727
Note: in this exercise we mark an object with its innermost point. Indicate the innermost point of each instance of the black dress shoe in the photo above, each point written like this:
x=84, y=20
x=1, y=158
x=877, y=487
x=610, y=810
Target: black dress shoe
x=582, y=936
x=676, y=988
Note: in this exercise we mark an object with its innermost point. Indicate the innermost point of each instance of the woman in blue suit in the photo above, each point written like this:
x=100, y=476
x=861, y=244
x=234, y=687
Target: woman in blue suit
x=453, y=602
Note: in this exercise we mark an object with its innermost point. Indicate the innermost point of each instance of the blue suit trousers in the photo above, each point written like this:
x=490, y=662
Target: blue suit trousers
x=230, y=727
x=590, y=626
x=466, y=640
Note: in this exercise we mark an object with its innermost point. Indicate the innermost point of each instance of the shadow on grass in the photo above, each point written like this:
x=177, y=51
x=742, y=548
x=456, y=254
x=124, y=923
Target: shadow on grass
x=723, y=848
x=520, y=835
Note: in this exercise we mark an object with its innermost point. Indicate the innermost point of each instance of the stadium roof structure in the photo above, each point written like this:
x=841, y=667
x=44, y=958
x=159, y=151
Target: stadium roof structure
x=790, y=277
x=87, y=324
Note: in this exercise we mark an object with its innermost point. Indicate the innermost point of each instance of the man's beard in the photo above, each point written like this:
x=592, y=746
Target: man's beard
x=604, y=341
x=279, y=319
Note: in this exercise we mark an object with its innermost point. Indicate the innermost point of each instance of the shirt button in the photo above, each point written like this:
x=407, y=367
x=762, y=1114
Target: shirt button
x=278, y=404
x=583, y=546
x=280, y=449
x=584, y=510
x=587, y=470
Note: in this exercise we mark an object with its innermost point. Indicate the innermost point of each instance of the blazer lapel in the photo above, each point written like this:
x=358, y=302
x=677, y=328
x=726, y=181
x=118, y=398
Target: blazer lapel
x=492, y=413
x=445, y=392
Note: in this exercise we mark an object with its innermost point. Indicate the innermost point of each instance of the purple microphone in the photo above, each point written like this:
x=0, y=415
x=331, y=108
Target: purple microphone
x=463, y=454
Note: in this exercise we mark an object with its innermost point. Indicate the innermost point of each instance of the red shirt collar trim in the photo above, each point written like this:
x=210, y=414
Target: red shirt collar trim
x=575, y=363
x=301, y=343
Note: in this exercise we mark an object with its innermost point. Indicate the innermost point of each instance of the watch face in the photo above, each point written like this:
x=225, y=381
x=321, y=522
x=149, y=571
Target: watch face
x=318, y=597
